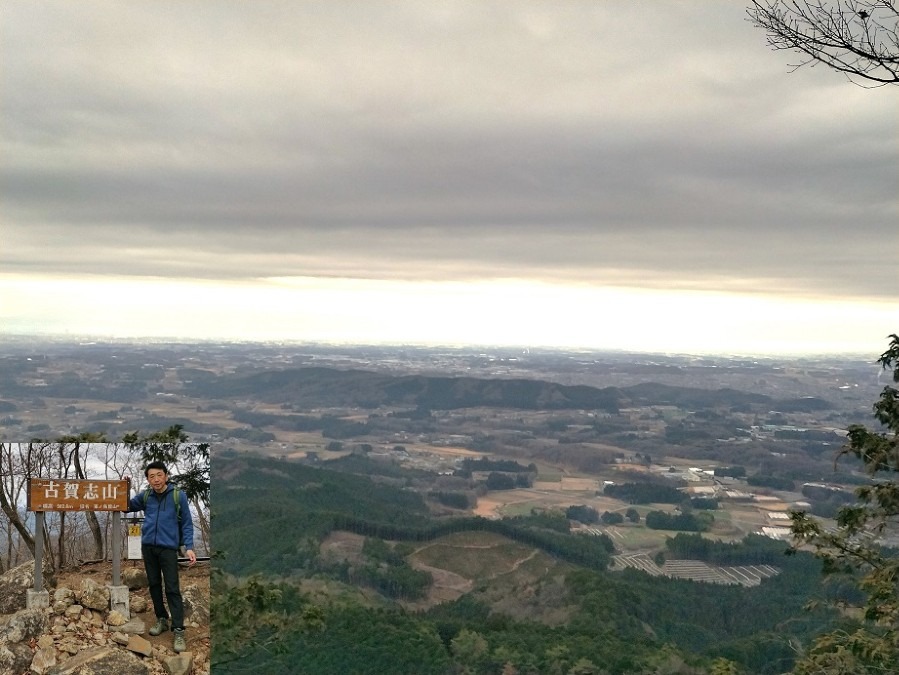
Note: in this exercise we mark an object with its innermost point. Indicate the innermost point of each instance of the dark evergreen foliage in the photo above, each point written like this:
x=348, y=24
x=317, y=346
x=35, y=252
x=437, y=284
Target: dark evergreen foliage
x=659, y=520
x=644, y=493
x=504, y=465
x=455, y=500
x=582, y=513
x=732, y=471
x=620, y=622
x=500, y=481
x=774, y=482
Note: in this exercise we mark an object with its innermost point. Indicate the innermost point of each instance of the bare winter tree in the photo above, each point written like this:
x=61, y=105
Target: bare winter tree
x=73, y=455
x=18, y=461
x=68, y=537
x=859, y=38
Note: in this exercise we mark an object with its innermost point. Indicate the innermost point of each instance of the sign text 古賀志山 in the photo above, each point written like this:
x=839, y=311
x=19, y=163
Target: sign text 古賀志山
x=61, y=494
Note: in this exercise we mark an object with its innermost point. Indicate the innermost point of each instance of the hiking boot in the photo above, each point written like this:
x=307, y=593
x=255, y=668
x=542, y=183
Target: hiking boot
x=179, y=645
x=160, y=627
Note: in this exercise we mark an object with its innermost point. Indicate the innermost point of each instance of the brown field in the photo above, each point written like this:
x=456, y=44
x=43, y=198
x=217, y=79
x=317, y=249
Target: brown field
x=773, y=506
x=579, y=484
x=547, y=485
x=456, y=562
x=488, y=508
x=636, y=538
x=343, y=545
x=640, y=468
x=444, y=450
x=460, y=561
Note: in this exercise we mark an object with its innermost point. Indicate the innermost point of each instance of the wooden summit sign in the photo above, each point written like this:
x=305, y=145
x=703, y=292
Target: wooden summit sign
x=62, y=494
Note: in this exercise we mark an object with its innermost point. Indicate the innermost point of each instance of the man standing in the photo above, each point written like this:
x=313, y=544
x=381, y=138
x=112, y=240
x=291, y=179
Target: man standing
x=167, y=526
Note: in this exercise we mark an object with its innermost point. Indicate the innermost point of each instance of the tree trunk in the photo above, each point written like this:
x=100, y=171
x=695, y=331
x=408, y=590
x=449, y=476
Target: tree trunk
x=61, y=546
x=203, y=524
x=13, y=514
x=48, y=548
x=91, y=517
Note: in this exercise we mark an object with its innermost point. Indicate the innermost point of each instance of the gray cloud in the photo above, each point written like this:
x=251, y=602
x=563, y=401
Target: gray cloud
x=612, y=143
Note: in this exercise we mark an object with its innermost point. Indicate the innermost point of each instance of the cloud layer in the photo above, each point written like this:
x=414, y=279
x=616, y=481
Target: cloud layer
x=639, y=144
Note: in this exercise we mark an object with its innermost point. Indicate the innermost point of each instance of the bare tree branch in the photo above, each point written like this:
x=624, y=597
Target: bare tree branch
x=859, y=38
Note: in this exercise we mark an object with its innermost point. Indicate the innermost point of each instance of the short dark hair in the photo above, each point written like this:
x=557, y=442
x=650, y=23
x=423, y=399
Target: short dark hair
x=155, y=465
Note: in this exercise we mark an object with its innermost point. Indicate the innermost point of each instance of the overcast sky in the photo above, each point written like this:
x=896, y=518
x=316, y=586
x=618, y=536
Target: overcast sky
x=607, y=174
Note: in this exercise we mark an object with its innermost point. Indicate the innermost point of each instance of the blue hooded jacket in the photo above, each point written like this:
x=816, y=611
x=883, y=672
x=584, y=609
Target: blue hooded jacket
x=160, y=526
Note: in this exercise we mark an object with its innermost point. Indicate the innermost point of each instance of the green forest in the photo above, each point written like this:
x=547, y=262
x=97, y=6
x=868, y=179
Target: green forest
x=272, y=516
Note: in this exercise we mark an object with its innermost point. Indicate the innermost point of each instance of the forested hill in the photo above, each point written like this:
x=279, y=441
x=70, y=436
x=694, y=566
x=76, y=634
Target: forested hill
x=322, y=387
x=358, y=388
x=535, y=596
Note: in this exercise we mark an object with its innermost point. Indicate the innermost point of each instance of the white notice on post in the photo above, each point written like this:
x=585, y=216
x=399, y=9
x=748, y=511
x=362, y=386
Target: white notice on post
x=134, y=541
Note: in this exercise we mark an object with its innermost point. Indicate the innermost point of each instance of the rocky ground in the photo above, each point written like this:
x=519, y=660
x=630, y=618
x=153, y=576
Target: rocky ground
x=78, y=632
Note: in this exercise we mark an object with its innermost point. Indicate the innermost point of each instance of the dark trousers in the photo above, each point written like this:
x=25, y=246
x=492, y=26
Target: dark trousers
x=161, y=565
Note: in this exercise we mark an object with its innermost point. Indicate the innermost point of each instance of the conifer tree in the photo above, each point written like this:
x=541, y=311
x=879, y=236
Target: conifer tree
x=856, y=546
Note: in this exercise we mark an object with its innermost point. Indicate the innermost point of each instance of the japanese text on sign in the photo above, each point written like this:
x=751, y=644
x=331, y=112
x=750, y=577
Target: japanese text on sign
x=60, y=494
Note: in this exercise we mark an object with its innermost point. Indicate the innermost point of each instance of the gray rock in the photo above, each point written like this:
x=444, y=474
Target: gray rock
x=44, y=659
x=134, y=578
x=70, y=645
x=139, y=604
x=101, y=661
x=23, y=625
x=180, y=664
x=73, y=612
x=15, y=658
x=134, y=627
x=116, y=618
x=15, y=583
x=120, y=638
x=140, y=645
x=196, y=604
x=63, y=594
x=94, y=595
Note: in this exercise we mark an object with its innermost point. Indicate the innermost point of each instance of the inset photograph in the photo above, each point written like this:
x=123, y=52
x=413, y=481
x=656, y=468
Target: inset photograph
x=104, y=555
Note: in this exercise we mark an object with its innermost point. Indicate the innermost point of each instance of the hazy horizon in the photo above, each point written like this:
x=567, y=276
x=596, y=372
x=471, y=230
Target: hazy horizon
x=517, y=349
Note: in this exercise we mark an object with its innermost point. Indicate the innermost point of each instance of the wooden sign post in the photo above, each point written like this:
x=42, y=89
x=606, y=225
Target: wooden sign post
x=62, y=494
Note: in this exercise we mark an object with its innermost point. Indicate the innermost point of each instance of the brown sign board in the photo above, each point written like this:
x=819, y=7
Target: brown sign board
x=62, y=494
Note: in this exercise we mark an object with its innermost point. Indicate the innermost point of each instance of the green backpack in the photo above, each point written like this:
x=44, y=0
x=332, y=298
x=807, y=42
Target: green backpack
x=176, y=495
